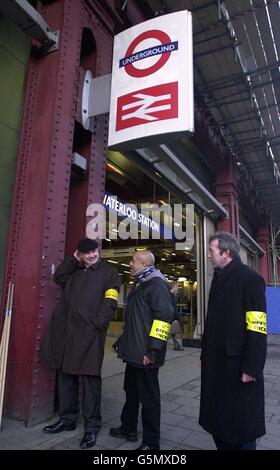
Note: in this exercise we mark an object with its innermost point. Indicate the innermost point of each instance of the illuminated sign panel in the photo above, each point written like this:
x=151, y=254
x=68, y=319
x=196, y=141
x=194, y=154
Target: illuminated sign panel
x=152, y=83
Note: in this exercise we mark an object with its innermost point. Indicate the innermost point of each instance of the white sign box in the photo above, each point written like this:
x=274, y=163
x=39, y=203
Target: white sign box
x=152, y=83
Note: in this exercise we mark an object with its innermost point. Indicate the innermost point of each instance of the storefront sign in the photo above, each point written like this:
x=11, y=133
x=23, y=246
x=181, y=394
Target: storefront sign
x=129, y=211
x=152, y=83
x=146, y=221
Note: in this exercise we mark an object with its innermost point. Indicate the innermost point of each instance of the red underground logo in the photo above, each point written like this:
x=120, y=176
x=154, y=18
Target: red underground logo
x=163, y=50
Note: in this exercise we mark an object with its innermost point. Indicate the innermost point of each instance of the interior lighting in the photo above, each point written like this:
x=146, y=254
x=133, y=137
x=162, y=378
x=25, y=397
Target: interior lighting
x=114, y=169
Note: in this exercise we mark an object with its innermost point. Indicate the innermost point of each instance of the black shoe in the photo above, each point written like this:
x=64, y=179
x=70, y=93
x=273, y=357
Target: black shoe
x=121, y=433
x=88, y=440
x=179, y=348
x=144, y=447
x=59, y=426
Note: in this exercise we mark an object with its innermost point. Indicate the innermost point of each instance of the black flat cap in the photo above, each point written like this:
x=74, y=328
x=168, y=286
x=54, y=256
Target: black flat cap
x=87, y=244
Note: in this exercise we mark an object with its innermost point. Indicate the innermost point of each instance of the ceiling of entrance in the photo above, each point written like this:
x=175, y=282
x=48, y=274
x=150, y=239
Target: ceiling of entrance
x=236, y=60
x=173, y=264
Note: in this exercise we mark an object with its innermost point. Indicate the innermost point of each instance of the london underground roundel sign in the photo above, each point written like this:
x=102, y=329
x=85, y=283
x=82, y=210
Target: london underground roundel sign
x=163, y=38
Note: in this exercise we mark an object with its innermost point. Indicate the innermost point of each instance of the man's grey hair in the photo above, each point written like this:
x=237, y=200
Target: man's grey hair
x=227, y=241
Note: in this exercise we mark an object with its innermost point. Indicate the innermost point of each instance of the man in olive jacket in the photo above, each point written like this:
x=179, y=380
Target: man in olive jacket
x=75, y=337
x=148, y=317
x=233, y=350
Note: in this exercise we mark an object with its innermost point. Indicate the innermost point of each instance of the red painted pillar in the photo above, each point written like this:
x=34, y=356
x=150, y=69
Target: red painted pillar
x=263, y=239
x=226, y=193
x=40, y=218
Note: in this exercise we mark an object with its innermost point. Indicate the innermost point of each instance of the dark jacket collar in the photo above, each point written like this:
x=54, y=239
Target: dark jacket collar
x=223, y=273
x=94, y=267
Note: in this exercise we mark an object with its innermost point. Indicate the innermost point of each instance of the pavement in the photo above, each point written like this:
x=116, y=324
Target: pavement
x=180, y=390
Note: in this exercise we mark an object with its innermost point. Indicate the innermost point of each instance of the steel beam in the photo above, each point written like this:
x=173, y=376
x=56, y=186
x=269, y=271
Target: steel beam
x=226, y=84
x=39, y=221
x=217, y=49
x=203, y=6
x=257, y=129
x=30, y=21
x=211, y=38
x=225, y=103
x=236, y=118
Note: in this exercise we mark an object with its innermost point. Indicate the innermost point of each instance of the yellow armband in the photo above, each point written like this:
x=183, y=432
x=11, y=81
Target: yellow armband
x=111, y=294
x=256, y=321
x=160, y=330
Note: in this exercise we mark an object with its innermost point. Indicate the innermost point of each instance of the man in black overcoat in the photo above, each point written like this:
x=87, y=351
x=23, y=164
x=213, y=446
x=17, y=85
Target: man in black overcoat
x=233, y=350
x=75, y=337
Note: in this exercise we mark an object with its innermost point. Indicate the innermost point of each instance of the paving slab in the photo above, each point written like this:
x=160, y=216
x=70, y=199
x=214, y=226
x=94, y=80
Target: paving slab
x=180, y=388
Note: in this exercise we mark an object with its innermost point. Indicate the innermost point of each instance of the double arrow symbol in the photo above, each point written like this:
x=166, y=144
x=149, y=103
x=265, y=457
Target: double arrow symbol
x=144, y=110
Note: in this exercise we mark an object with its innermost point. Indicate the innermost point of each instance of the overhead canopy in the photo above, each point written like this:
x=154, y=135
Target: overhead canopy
x=236, y=58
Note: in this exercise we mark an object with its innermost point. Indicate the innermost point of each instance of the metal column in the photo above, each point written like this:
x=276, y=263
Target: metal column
x=39, y=217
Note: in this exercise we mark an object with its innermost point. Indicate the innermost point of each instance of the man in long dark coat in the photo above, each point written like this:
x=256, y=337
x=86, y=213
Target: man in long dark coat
x=75, y=338
x=233, y=350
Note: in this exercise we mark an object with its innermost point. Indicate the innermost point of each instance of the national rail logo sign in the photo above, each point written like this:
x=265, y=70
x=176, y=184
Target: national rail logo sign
x=152, y=82
x=147, y=105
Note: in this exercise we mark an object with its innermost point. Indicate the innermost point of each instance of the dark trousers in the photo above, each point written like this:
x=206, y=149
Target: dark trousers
x=141, y=386
x=228, y=446
x=68, y=400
